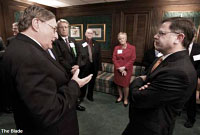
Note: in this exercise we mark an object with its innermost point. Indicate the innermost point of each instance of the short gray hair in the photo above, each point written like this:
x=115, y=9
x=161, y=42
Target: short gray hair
x=15, y=23
x=122, y=33
x=34, y=12
x=62, y=21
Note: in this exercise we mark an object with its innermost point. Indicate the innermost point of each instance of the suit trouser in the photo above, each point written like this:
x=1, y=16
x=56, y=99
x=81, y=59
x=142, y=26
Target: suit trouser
x=85, y=71
x=191, y=107
x=5, y=94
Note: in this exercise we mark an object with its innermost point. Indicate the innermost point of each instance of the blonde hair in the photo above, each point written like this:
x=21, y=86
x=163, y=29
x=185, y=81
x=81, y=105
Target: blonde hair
x=122, y=33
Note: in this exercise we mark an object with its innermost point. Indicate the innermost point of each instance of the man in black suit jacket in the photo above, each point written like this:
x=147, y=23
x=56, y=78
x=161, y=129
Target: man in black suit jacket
x=5, y=102
x=1, y=75
x=67, y=51
x=44, y=99
x=90, y=62
x=194, y=52
x=158, y=98
x=66, y=47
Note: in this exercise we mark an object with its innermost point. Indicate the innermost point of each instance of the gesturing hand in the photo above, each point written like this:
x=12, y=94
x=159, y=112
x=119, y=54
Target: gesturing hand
x=83, y=81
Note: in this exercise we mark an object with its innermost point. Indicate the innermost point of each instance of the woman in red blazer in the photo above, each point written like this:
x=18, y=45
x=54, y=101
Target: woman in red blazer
x=123, y=58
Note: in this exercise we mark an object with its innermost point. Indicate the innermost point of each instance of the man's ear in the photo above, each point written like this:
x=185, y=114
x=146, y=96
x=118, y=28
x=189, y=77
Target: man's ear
x=35, y=24
x=180, y=38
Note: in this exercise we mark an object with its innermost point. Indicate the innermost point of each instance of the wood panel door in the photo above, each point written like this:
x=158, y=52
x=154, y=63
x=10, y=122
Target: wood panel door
x=136, y=26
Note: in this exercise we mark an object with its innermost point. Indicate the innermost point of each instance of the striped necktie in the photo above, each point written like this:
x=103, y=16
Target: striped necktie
x=157, y=64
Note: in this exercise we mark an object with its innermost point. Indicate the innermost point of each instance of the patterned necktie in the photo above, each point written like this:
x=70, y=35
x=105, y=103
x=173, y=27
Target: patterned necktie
x=67, y=42
x=156, y=64
x=90, y=53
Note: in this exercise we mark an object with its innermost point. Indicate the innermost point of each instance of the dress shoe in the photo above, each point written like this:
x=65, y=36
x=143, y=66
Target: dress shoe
x=81, y=99
x=90, y=99
x=118, y=101
x=125, y=105
x=189, y=124
x=80, y=108
x=8, y=110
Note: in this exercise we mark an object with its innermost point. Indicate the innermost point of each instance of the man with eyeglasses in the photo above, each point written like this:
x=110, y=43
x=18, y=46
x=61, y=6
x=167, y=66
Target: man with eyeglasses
x=157, y=98
x=44, y=97
x=67, y=51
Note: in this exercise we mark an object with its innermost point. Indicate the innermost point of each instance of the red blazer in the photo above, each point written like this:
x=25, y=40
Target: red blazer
x=123, y=57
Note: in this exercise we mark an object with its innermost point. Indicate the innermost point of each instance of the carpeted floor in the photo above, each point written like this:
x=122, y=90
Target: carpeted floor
x=105, y=117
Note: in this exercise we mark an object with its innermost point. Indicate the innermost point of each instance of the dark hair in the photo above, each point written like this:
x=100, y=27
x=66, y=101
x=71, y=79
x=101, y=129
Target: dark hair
x=33, y=12
x=182, y=25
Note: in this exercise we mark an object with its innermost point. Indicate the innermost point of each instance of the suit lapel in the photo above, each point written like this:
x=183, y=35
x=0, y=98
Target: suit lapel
x=85, y=49
x=171, y=58
x=32, y=42
x=71, y=50
x=194, y=51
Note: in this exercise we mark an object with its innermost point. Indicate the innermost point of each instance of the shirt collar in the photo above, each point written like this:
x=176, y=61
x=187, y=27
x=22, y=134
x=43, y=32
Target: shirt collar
x=33, y=40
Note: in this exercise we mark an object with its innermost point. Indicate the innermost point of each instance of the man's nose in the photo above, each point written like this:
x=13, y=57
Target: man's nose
x=56, y=35
x=156, y=36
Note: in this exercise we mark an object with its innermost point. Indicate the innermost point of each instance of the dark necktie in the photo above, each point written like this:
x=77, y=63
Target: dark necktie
x=90, y=51
x=67, y=42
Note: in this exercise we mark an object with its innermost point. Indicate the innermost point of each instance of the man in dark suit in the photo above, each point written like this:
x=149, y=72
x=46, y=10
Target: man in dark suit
x=5, y=94
x=15, y=31
x=44, y=99
x=90, y=62
x=1, y=75
x=194, y=52
x=158, y=98
x=67, y=51
x=149, y=57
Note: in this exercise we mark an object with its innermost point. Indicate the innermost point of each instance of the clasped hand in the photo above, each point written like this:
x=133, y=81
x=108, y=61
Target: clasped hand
x=122, y=70
x=74, y=68
x=146, y=85
x=83, y=81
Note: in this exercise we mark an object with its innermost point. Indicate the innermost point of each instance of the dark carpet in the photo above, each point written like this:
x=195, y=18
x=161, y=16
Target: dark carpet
x=105, y=117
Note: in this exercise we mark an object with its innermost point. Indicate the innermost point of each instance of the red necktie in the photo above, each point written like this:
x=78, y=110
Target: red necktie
x=156, y=64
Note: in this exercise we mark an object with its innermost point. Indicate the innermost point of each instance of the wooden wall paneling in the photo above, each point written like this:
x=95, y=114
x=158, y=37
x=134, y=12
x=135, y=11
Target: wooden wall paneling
x=12, y=6
x=116, y=17
x=2, y=24
x=184, y=8
x=10, y=12
x=135, y=25
x=144, y=17
x=86, y=11
x=115, y=30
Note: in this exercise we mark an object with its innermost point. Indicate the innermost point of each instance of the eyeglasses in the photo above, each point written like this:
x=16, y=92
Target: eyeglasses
x=65, y=27
x=54, y=28
x=161, y=33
